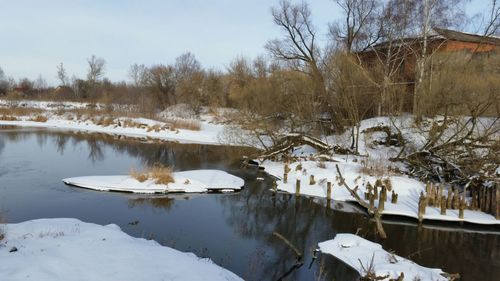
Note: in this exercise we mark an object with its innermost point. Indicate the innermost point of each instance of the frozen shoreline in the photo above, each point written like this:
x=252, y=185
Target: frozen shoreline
x=195, y=181
x=361, y=254
x=407, y=189
x=69, y=249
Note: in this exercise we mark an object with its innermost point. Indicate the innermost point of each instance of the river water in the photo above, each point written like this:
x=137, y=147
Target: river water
x=234, y=230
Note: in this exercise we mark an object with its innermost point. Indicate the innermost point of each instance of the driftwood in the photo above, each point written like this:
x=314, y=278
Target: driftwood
x=371, y=209
x=288, y=142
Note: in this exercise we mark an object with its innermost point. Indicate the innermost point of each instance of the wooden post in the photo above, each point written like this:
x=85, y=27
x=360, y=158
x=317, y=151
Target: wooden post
x=297, y=188
x=421, y=207
x=456, y=199
x=394, y=197
x=375, y=192
x=285, y=178
x=372, y=203
x=488, y=200
x=381, y=204
x=328, y=190
x=437, y=197
x=443, y=205
x=449, y=199
x=383, y=193
x=275, y=187
x=311, y=180
x=430, y=196
x=497, y=201
x=427, y=188
x=461, y=208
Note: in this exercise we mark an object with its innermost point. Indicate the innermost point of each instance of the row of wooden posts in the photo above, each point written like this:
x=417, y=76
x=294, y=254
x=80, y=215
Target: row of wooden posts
x=371, y=194
x=485, y=199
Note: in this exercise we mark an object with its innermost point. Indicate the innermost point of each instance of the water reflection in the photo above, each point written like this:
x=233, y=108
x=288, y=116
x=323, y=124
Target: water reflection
x=235, y=230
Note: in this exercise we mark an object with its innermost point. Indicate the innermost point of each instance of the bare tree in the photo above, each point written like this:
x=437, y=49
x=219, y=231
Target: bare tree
x=137, y=73
x=298, y=47
x=492, y=24
x=62, y=75
x=360, y=27
x=96, y=69
x=430, y=14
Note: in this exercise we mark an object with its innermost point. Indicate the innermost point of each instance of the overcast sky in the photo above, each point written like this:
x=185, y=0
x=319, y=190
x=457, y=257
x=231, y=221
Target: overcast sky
x=36, y=35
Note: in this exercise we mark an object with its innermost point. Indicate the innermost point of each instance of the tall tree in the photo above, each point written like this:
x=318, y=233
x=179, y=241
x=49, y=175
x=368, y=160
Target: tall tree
x=62, y=75
x=360, y=27
x=96, y=69
x=298, y=47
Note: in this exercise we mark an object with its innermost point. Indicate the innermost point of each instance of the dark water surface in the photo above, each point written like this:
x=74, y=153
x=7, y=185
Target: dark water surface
x=234, y=230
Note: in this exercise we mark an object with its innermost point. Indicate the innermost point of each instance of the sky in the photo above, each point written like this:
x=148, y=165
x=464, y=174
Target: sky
x=36, y=35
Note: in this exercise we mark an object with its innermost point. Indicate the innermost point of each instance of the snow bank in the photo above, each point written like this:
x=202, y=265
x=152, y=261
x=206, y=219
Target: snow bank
x=358, y=254
x=208, y=134
x=195, y=181
x=68, y=249
x=408, y=189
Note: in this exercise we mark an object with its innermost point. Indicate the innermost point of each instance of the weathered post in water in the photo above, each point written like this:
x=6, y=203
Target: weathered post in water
x=394, y=197
x=497, y=201
x=456, y=199
x=311, y=180
x=328, y=191
x=461, y=208
x=443, y=205
x=275, y=187
x=422, y=204
x=297, y=188
x=381, y=205
x=285, y=178
x=372, y=203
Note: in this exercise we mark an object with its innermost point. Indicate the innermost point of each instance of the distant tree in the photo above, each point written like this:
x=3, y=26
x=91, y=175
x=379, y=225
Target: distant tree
x=160, y=80
x=96, y=69
x=137, y=73
x=62, y=75
x=4, y=83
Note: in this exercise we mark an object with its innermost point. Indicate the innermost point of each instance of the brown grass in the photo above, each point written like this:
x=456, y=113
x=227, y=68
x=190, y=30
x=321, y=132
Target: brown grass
x=8, y=118
x=162, y=174
x=187, y=124
x=159, y=173
x=140, y=177
x=39, y=118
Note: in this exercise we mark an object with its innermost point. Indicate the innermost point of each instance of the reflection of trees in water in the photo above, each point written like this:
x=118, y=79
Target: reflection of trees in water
x=164, y=203
x=254, y=213
x=2, y=143
x=149, y=152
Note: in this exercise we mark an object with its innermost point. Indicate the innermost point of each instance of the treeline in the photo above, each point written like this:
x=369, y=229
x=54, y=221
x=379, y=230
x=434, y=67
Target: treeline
x=302, y=84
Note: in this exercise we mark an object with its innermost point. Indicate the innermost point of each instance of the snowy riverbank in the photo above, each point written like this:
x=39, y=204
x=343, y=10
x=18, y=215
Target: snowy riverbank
x=196, y=181
x=369, y=258
x=68, y=249
x=408, y=190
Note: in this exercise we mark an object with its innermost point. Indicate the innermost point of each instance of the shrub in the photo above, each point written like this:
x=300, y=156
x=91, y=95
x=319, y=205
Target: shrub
x=39, y=118
x=159, y=173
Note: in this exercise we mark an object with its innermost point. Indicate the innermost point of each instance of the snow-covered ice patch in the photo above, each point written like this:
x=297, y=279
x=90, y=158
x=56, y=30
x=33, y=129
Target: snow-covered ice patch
x=68, y=249
x=364, y=255
x=195, y=181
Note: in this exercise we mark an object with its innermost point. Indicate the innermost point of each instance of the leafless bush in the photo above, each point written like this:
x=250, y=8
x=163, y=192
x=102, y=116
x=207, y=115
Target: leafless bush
x=159, y=173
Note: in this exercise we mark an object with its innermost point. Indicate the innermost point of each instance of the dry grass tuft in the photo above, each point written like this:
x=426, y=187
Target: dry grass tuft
x=140, y=177
x=159, y=173
x=321, y=165
x=39, y=118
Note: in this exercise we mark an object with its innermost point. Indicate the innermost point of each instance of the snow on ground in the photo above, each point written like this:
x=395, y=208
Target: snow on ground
x=60, y=105
x=195, y=181
x=358, y=253
x=208, y=133
x=68, y=249
x=408, y=189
